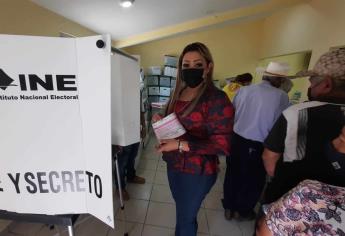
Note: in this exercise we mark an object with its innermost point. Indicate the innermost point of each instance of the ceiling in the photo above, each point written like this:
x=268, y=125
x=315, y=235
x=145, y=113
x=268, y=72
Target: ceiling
x=147, y=16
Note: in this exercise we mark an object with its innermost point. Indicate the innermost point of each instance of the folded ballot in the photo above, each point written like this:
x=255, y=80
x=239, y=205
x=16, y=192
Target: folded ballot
x=169, y=127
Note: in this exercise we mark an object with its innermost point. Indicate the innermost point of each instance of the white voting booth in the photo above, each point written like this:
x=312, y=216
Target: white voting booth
x=55, y=124
x=125, y=92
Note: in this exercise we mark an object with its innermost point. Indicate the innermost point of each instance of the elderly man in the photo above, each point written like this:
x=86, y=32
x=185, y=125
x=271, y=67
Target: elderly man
x=256, y=109
x=296, y=147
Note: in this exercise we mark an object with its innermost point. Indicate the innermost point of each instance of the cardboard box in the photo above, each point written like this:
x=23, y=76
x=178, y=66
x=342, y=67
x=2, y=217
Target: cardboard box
x=154, y=91
x=170, y=71
x=172, y=83
x=152, y=80
x=153, y=99
x=170, y=60
x=164, y=99
x=164, y=81
x=164, y=91
x=154, y=70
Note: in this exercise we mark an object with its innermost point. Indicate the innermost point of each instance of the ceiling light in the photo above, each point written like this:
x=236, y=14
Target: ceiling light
x=126, y=3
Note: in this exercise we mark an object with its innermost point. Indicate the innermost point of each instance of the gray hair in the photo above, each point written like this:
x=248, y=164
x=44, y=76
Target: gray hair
x=286, y=85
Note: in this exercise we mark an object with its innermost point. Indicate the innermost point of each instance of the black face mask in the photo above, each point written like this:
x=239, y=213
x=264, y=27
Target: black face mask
x=192, y=77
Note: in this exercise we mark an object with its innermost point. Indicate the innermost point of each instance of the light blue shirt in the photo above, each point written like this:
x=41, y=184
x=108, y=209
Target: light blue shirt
x=257, y=107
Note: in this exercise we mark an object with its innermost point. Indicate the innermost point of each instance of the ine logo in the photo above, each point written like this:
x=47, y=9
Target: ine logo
x=33, y=82
x=5, y=80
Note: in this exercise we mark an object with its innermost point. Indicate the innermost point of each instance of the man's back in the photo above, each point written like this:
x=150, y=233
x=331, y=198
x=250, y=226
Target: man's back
x=257, y=107
x=303, y=134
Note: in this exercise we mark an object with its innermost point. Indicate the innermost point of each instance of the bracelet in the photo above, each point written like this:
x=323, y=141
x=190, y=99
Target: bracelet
x=180, y=146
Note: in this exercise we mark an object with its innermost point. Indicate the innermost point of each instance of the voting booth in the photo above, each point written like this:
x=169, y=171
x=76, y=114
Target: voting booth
x=125, y=99
x=55, y=124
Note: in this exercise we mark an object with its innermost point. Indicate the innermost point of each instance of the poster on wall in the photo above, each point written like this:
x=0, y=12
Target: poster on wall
x=55, y=126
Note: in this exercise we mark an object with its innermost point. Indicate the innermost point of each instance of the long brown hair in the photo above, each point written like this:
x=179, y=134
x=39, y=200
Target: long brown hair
x=180, y=85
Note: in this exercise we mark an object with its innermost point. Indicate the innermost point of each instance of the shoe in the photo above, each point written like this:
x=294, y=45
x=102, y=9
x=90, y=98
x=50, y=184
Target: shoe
x=125, y=195
x=228, y=214
x=136, y=180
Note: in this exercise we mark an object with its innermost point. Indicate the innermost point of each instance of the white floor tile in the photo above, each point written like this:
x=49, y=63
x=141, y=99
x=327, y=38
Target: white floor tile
x=47, y=231
x=148, y=164
x=164, y=215
x=4, y=224
x=218, y=186
x=21, y=228
x=139, y=191
x=161, y=178
x=162, y=193
x=221, y=176
x=213, y=200
x=150, y=230
x=116, y=205
x=149, y=175
x=135, y=211
x=161, y=214
x=150, y=154
x=133, y=229
x=247, y=227
x=91, y=227
x=220, y=226
x=222, y=160
x=202, y=222
x=162, y=166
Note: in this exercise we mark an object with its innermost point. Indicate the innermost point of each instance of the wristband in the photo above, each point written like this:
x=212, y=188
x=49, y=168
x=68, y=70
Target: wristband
x=180, y=146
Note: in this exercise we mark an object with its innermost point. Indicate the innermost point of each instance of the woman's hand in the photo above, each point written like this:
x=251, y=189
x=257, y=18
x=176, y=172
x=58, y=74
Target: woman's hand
x=339, y=142
x=167, y=145
x=156, y=117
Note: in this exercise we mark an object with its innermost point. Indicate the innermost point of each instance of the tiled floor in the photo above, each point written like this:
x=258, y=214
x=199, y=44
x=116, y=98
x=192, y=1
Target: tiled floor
x=150, y=211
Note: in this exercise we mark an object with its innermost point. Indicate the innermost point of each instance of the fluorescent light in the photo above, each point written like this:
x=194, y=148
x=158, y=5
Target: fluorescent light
x=126, y=3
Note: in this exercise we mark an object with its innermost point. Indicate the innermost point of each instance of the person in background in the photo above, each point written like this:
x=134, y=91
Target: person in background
x=256, y=109
x=286, y=85
x=126, y=159
x=294, y=149
x=312, y=207
x=239, y=81
x=207, y=115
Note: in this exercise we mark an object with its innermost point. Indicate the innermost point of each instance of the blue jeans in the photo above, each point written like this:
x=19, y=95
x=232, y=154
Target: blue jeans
x=188, y=191
x=126, y=160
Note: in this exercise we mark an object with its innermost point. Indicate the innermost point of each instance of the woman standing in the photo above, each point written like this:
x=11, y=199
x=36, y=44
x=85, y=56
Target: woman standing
x=207, y=115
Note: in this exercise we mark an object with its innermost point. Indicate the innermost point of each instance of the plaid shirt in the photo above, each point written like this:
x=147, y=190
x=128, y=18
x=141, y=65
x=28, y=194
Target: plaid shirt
x=209, y=127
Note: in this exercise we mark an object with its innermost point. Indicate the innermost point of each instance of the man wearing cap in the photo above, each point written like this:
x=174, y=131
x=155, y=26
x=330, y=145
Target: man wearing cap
x=298, y=144
x=256, y=109
x=239, y=81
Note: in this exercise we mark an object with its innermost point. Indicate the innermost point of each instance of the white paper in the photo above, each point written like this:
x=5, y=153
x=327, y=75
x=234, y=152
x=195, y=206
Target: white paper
x=168, y=128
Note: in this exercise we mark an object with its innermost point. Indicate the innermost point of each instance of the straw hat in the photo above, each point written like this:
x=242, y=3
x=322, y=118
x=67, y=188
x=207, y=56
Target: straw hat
x=279, y=69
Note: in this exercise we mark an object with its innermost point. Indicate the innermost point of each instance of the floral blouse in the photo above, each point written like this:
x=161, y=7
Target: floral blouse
x=311, y=208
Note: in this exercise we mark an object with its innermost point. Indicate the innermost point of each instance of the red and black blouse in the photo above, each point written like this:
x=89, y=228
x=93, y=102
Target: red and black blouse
x=209, y=127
